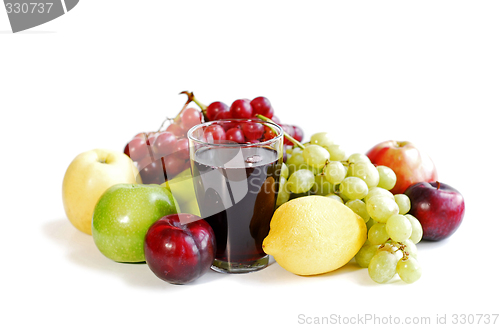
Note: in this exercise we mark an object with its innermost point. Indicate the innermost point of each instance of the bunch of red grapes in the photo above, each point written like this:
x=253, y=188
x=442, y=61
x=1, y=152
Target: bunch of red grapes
x=157, y=153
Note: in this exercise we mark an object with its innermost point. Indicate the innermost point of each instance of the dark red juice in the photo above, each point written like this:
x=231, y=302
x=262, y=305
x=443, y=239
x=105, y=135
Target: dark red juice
x=236, y=189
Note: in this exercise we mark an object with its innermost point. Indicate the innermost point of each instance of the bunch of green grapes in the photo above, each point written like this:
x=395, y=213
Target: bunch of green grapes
x=392, y=238
x=321, y=167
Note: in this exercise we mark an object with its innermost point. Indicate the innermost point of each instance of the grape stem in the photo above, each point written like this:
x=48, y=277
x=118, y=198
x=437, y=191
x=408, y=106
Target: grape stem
x=289, y=137
x=324, y=167
x=192, y=98
x=178, y=117
x=402, y=247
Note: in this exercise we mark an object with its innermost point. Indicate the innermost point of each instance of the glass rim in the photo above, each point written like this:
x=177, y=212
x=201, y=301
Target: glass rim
x=232, y=120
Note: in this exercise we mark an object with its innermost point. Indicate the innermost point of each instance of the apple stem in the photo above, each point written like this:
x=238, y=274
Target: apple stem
x=438, y=184
x=289, y=137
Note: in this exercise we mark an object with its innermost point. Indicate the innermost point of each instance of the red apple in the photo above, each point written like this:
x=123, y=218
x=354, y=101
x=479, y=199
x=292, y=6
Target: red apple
x=409, y=163
x=179, y=248
x=439, y=208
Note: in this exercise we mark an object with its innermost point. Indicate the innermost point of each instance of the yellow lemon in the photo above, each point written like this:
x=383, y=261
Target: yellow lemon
x=314, y=234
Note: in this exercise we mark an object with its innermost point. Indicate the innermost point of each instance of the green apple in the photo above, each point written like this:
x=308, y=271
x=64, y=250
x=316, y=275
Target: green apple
x=123, y=215
x=86, y=179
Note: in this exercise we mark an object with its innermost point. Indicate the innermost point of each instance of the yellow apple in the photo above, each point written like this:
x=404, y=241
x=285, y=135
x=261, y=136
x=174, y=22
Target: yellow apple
x=87, y=177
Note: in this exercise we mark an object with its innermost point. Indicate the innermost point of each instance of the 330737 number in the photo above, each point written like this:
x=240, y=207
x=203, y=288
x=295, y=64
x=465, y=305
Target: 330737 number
x=25, y=8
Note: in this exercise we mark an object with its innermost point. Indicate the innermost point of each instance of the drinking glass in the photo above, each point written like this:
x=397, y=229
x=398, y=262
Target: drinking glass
x=236, y=185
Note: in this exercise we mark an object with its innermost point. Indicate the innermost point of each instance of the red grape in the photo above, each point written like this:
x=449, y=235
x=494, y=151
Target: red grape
x=151, y=139
x=214, y=133
x=262, y=106
x=288, y=129
x=176, y=130
x=151, y=172
x=186, y=166
x=241, y=108
x=136, y=149
x=145, y=161
x=236, y=135
x=253, y=141
x=298, y=133
x=226, y=115
x=173, y=165
x=182, y=148
x=275, y=119
x=268, y=133
x=165, y=143
x=215, y=108
x=252, y=130
x=190, y=117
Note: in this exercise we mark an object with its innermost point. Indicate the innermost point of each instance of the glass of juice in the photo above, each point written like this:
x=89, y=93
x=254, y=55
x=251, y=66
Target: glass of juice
x=236, y=185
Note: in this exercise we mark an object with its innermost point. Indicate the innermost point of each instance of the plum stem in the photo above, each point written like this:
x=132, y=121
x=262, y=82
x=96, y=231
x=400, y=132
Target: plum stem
x=289, y=137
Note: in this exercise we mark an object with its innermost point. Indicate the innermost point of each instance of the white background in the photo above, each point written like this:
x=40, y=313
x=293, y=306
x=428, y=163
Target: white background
x=366, y=71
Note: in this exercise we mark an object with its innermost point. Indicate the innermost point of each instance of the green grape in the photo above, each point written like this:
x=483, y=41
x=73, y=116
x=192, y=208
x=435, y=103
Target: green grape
x=387, y=177
x=366, y=171
x=381, y=208
x=344, y=198
x=357, y=157
x=314, y=170
x=296, y=150
x=321, y=139
x=416, y=229
x=300, y=181
x=377, y=234
x=365, y=255
x=377, y=191
x=409, y=269
x=410, y=247
x=403, y=202
x=388, y=247
x=315, y=156
x=322, y=186
x=359, y=207
x=302, y=194
x=283, y=193
x=370, y=224
x=382, y=267
x=336, y=197
x=284, y=171
x=295, y=163
x=398, y=227
x=334, y=172
x=353, y=188
x=337, y=153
